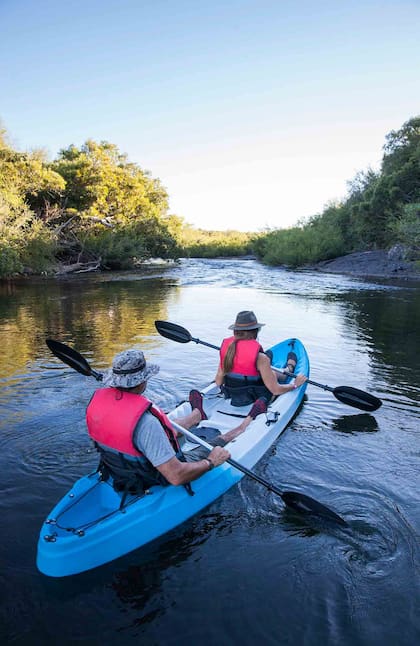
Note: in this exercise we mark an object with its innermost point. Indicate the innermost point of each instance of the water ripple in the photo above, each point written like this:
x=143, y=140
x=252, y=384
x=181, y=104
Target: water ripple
x=357, y=585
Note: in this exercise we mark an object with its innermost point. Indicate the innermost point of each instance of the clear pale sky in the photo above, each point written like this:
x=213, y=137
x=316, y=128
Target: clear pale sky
x=251, y=113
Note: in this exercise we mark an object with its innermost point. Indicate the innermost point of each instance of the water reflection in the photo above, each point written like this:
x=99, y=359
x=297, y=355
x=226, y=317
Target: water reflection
x=137, y=585
x=98, y=318
x=362, y=423
x=393, y=321
x=138, y=580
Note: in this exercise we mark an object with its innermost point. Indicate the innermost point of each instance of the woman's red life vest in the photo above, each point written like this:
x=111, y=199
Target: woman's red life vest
x=112, y=416
x=246, y=355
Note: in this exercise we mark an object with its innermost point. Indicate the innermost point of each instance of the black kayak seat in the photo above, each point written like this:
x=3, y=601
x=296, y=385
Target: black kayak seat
x=243, y=390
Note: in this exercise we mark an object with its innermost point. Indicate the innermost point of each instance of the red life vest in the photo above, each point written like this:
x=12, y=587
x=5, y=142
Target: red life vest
x=112, y=416
x=246, y=355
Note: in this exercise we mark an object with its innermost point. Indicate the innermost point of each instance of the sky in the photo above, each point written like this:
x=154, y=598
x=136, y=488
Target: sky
x=253, y=114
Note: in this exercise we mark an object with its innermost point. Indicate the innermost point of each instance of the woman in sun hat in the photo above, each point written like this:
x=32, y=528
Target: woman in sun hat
x=244, y=373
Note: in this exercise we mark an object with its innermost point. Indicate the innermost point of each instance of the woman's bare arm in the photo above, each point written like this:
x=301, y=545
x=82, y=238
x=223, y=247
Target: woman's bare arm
x=220, y=375
x=270, y=380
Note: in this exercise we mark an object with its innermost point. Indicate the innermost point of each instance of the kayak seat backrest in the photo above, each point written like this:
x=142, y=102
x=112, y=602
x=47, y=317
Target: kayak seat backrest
x=129, y=476
x=243, y=390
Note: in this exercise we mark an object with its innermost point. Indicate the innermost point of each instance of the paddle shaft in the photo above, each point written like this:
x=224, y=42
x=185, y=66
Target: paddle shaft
x=297, y=501
x=209, y=345
x=345, y=394
x=233, y=463
x=278, y=370
x=308, y=381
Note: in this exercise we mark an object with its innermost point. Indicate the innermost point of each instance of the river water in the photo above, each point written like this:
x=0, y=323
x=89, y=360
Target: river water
x=244, y=571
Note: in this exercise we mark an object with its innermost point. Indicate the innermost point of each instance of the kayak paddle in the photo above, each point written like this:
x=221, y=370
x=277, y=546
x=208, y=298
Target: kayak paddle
x=346, y=394
x=297, y=501
x=72, y=358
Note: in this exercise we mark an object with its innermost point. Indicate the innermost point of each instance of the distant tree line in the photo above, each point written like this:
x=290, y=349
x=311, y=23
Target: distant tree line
x=90, y=208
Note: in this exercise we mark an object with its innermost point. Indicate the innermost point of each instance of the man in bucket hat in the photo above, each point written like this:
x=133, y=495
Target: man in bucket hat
x=138, y=445
x=244, y=372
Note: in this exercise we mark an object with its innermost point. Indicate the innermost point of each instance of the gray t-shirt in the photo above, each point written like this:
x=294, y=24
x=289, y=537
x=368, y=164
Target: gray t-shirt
x=150, y=438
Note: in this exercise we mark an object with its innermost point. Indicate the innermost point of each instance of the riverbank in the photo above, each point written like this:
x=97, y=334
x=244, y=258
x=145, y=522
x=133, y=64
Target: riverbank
x=380, y=264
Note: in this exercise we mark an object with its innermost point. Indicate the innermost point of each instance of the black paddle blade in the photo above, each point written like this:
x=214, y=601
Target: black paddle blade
x=357, y=398
x=305, y=504
x=71, y=358
x=173, y=331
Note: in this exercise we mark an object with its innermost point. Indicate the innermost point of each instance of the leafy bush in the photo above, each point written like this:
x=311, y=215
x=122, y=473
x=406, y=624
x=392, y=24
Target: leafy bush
x=407, y=227
x=126, y=245
x=9, y=260
x=319, y=239
x=199, y=243
x=26, y=243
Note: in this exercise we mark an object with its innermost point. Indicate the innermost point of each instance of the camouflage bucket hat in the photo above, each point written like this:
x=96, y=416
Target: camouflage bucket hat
x=246, y=321
x=129, y=369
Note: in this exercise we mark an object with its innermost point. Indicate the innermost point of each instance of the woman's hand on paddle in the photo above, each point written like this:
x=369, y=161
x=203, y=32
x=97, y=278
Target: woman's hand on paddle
x=300, y=380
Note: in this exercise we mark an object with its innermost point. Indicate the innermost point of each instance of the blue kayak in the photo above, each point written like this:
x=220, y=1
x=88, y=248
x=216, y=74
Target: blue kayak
x=88, y=527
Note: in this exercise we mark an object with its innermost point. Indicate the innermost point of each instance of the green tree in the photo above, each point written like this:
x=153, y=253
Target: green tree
x=407, y=227
x=27, y=176
x=380, y=202
x=118, y=211
x=26, y=182
x=102, y=183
